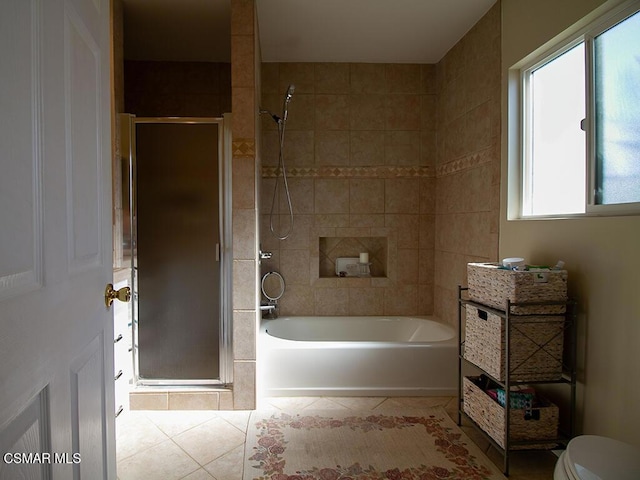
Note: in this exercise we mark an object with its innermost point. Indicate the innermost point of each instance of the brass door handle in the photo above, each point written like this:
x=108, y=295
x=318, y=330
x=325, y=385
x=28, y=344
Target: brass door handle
x=124, y=295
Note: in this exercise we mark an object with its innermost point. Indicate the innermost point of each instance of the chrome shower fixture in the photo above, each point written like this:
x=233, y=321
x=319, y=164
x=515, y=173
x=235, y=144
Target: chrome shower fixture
x=285, y=107
x=289, y=94
x=282, y=123
x=275, y=117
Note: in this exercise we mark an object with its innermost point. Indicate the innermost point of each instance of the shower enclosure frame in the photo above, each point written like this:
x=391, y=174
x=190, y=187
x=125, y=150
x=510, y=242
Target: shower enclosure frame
x=224, y=250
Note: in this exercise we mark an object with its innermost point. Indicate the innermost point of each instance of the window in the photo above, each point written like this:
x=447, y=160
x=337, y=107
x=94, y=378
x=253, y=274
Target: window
x=581, y=123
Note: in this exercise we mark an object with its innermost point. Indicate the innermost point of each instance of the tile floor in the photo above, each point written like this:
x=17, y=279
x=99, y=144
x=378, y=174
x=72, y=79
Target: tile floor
x=199, y=445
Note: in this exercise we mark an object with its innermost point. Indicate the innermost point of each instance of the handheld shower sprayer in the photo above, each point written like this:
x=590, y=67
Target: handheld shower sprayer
x=287, y=99
x=282, y=123
x=285, y=107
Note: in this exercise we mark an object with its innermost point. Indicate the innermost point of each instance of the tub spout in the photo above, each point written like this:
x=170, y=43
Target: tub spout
x=269, y=311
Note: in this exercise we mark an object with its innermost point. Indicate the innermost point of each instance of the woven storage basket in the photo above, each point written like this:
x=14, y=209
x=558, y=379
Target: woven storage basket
x=535, y=345
x=538, y=424
x=492, y=286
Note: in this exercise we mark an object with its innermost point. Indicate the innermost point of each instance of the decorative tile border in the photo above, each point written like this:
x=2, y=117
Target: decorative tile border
x=465, y=163
x=243, y=147
x=351, y=172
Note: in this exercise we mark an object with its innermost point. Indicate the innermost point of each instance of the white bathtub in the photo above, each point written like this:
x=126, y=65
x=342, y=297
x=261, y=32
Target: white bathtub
x=357, y=356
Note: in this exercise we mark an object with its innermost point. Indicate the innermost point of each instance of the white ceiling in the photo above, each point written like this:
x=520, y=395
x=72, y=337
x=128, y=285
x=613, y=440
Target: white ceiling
x=376, y=31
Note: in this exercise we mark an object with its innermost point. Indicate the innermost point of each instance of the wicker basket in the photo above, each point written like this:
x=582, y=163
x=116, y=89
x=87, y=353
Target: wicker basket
x=538, y=424
x=492, y=286
x=535, y=345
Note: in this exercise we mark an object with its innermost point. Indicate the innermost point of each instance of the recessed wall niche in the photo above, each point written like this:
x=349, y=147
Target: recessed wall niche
x=331, y=248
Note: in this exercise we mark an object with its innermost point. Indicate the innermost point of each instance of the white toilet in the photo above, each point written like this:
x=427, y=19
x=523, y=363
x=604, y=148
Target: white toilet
x=591, y=457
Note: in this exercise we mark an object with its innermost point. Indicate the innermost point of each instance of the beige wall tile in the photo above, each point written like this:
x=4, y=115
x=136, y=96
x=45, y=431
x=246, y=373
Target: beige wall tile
x=302, y=194
x=401, y=195
x=408, y=266
x=243, y=112
x=368, y=78
x=244, y=385
x=299, y=234
x=299, y=148
x=402, y=148
x=332, y=301
x=366, y=301
x=332, y=147
x=332, y=78
x=367, y=112
x=244, y=336
x=226, y=400
x=402, y=111
x=404, y=78
x=332, y=112
x=367, y=148
x=269, y=78
x=148, y=401
x=242, y=15
x=244, y=234
x=294, y=267
x=299, y=74
x=302, y=110
x=297, y=300
x=244, y=284
x=331, y=196
x=242, y=67
x=366, y=196
x=194, y=400
x=401, y=300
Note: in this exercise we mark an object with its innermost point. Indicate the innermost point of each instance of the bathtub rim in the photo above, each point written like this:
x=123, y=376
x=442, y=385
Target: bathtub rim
x=288, y=343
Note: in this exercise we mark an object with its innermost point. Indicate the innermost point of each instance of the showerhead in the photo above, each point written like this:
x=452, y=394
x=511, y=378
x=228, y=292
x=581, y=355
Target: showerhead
x=289, y=94
x=287, y=99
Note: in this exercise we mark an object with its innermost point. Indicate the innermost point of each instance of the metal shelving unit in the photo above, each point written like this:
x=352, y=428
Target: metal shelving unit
x=568, y=377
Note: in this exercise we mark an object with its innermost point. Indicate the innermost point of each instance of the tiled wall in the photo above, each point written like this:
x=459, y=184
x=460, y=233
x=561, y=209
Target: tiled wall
x=409, y=152
x=360, y=148
x=245, y=85
x=181, y=89
x=468, y=161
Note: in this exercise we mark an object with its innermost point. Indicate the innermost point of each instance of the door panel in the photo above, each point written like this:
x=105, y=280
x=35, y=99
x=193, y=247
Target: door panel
x=20, y=138
x=56, y=343
x=178, y=277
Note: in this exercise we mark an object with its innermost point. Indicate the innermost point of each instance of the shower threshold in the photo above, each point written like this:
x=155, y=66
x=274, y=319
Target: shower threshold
x=181, y=397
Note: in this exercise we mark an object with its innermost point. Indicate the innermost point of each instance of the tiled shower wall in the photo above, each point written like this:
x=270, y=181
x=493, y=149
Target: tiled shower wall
x=468, y=160
x=177, y=89
x=405, y=152
x=360, y=149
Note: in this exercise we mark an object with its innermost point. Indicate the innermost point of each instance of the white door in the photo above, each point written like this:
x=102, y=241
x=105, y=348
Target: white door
x=56, y=340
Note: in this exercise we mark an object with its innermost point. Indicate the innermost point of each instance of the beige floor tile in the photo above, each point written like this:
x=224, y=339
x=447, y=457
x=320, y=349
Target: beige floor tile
x=289, y=403
x=237, y=418
x=200, y=474
x=358, y=403
x=135, y=433
x=324, y=403
x=215, y=439
x=526, y=465
x=210, y=440
x=174, y=422
x=165, y=460
x=413, y=402
x=228, y=466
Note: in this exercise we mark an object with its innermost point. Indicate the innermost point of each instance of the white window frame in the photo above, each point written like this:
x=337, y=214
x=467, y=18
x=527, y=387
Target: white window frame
x=519, y=141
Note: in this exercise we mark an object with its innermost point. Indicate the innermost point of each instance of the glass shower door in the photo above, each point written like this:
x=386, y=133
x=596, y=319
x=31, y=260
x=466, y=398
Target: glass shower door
x=178, y=261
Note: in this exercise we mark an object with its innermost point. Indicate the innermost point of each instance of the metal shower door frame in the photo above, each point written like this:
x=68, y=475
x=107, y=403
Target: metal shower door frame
x=224, y=250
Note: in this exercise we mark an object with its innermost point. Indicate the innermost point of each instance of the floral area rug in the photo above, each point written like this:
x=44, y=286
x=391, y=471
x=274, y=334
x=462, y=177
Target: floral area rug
x=345, y=445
